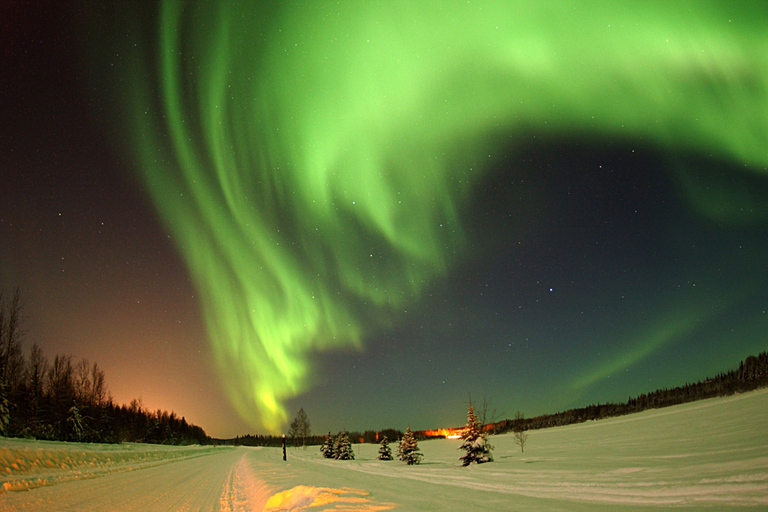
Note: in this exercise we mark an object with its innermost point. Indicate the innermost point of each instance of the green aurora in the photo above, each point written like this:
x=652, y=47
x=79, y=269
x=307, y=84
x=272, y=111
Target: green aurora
x=311, y=161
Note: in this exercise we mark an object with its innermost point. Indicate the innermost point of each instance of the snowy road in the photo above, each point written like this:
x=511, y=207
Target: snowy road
x=208, y=482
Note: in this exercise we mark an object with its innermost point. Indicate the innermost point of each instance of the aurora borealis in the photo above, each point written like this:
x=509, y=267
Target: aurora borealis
x=544, y=203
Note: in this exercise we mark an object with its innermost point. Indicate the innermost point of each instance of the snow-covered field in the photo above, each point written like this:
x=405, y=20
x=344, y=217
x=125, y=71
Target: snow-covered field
x=711, y=455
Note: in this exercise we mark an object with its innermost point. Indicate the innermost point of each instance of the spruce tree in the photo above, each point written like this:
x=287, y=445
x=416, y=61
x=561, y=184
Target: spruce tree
x=327, y=448
x=75, y=420
x=5, y=411
x=384, y=451
x=477, y=447
x=408, y=451
x=342, y=448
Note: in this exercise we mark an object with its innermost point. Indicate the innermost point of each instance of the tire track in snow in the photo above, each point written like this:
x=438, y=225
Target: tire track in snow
x=243, y=491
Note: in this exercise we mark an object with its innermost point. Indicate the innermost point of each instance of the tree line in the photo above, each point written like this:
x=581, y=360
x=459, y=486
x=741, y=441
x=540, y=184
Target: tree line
x=66, y=399
x=369, y=436
x=751, y=374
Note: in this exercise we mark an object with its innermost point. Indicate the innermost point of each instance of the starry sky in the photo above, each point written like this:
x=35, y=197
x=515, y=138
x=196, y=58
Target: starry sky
x=370, y=210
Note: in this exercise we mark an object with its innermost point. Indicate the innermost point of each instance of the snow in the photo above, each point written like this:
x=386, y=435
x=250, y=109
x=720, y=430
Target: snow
x=711, y=454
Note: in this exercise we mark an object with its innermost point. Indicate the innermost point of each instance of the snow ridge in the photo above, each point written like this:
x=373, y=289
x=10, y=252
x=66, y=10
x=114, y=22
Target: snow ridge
x=243, y=489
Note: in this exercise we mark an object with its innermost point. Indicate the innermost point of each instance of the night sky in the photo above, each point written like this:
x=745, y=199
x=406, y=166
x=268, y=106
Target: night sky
x=372, y=210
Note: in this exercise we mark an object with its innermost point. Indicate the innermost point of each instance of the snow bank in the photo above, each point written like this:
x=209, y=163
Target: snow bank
x=28, y=464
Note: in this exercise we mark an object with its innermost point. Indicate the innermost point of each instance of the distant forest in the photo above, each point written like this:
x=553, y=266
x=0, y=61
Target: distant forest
x=68, y=399
x=369, y=436
x=751, y=374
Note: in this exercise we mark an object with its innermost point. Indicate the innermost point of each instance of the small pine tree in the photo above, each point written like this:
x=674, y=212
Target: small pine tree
x=327, y=448
x=342, y=448
x=384, y=451
x=5, y=411
x=477, y=447
x=408, y=451
x=75, y=421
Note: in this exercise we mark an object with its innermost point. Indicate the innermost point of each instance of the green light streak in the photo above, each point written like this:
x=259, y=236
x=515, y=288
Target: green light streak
x=311, y=162
x=652, y=337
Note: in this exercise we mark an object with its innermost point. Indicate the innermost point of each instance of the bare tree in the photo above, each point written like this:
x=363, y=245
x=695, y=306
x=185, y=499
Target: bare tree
x=98, y=386
x=37, y=368
x=11, y=334
x=487, y=416
x=481, y=411
x=299, y=430
x=60, y=379
x=83, y=382
x=521, y=436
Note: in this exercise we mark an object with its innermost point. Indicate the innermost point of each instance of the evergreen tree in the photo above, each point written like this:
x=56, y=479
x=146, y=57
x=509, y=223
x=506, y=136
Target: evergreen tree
x=5, y=411
x=476, y=446
x=327, y=448
x=342, y=448
x=408, y=451
x=75, y=421
x=384, y=451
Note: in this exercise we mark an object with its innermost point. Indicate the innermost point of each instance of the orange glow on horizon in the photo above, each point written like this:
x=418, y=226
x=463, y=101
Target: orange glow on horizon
x=448, y=433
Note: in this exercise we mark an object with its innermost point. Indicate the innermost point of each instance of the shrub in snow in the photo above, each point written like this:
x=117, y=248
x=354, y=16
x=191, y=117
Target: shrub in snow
x=521, y=436
x=342, y=447
x=5, y=411
x=384, y=452
x=75, y=421
x=476, y=446
x=408, y=451
x=327, y=448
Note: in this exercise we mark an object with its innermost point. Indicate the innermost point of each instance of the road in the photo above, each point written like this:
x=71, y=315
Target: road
x=218, y=481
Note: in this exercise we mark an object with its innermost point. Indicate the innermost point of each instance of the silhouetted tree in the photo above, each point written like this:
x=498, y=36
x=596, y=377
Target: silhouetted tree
x=300, y=430
x=5, y=411
x=11, y=357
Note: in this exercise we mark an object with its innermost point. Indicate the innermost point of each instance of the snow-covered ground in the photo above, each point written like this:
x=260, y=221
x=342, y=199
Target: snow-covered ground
x=711, y=455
